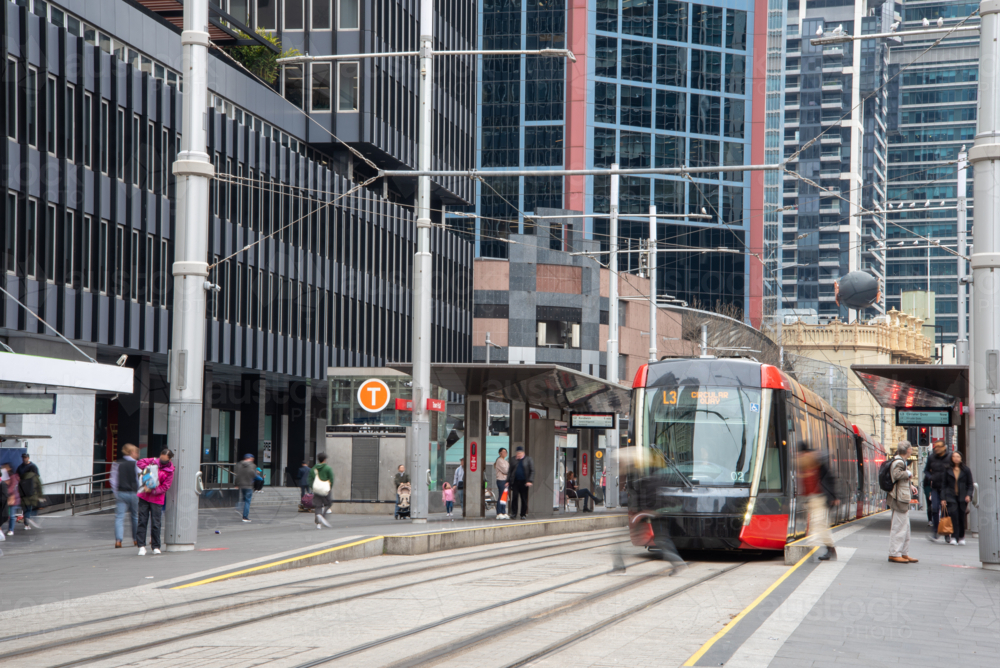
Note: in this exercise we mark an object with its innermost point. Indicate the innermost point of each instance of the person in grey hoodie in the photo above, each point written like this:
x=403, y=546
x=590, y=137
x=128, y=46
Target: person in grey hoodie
x=245, y=474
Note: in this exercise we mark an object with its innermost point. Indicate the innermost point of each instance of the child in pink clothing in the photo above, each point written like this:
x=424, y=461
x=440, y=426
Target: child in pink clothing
x=448, y=496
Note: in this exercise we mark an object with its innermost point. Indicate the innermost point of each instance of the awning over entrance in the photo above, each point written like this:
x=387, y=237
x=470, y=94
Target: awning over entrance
x=915, y=385
x=543, y=385
x=28, y=373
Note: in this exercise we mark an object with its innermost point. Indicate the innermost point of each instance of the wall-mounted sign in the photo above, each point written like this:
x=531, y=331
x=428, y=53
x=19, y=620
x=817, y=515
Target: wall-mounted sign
x=266, y=454
x=27, y=404
x=598, y=454
x=473, y=456
x=436, y=405
x=404, y=404
x=373, y=395
x=592, y=420
x=584, y=464
x=923, y=417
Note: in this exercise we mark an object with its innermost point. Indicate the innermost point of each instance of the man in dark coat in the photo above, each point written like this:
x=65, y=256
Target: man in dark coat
x=938, y=462
x=520, y=478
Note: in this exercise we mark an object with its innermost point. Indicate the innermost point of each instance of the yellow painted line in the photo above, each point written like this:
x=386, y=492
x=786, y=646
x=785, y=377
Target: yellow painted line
x=736, y=620
x=500, y=526
x=842, y=524
x=226, y=576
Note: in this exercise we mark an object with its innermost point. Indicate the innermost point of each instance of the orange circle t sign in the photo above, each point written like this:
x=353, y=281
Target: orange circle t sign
x=373, y=395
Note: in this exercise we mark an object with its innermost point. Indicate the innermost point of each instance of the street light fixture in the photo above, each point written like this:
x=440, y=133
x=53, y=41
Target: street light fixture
x=836, y=38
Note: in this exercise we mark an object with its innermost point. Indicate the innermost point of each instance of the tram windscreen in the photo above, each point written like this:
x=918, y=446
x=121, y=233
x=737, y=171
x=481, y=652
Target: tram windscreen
x=702, y=435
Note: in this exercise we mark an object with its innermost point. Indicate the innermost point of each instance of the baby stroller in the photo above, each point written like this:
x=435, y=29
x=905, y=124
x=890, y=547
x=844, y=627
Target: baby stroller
x=403, y=504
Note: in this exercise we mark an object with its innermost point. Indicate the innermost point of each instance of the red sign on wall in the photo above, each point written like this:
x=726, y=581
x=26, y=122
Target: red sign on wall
x=473, y=456
x=584, y=464
x=436, y=405
x=404, y=404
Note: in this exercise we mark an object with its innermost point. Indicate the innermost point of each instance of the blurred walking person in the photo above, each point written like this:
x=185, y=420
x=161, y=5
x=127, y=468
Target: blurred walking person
x=246, y=473
x=13, y=497
x=501, y=467
x=152, y=499
x=458, y=482
x=819, y=488
x=125, y=485
x=938, y=462
x=899, y=504
x=957, y=493
x=29, y=488
x=321, y=481
x=520, y=479
x=302, y=479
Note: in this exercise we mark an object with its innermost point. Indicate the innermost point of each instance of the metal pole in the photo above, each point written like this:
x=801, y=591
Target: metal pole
x=419, y=435
x=962, y=345
x=704, y=341
x=653, y=296
x=487, y=347
x=984, y=261
x=611, y=368
x=193, y=171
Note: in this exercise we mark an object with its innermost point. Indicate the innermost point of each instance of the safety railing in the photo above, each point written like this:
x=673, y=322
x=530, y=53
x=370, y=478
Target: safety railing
x=218, y=475
x=85, y=493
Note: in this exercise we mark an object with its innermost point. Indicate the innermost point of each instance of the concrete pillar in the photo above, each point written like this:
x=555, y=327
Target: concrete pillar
x=541, y=448
x=299, y=408
x=252, y=411
x=134, y=410
x=476, y=428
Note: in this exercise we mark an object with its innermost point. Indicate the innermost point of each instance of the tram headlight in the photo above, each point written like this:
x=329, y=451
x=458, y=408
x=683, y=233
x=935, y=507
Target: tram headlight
x=749, y=513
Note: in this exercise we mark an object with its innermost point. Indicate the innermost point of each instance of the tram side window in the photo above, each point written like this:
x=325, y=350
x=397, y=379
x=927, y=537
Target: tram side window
x=770, y=476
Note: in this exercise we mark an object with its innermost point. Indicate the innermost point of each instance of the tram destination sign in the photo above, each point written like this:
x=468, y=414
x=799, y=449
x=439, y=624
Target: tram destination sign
x=592, y=420
x=923, y=417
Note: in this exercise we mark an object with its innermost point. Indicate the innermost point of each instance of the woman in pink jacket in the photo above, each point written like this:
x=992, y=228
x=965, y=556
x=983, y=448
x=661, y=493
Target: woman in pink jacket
x=151, y=500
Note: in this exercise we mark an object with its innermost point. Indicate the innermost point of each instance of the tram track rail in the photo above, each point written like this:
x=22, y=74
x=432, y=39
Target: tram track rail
x=517, y=555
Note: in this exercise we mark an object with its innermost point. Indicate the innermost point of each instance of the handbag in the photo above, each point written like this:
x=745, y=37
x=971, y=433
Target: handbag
x=944, y=526
x=321, y=487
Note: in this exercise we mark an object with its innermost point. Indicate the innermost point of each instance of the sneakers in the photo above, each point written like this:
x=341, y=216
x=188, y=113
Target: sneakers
x=933, y=537
x=156, y=550
x=246, y=519
x=323, y=520
x=142, y=551
x=27, y=528
x=961, y=541
x=328, y=511
x=10, y=533
x=318, y=526
x=949, y=540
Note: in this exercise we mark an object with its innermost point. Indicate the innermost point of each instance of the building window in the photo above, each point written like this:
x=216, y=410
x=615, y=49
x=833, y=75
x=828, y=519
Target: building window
x=704, y=153
x=10, y=234
x=134, y=266
x=85, y=250
x=347, y=86
x=267, y=14
x=12, y=98
x=705, y=114
x=606, y=58
x=321, y=14
x=293, y=84
x=51, y=119
x=49, y=268
x=736, y=29
x=294, y=15
x=706, y=70
x=706, y=25
x=88, y=129
x=607, y=15
x=605, y=102
x=165, y=273
x=120, y=148
x=136, y=149
x=320, y=87
x=31, y=107
x=69, y=230
x=164, y=161
x=348, y=15
x=120, y=262
x=102, y=258
x=735, y=119
x=636, y=106
x=635, y=149
x=637, y=61
x=672, y=22
x=30, y=237
x=604, y=147
x=669, y=151
x=69, y=127
x=150, y=254
x=543, y=145
x=671, y=65
x=150, y=156
x=227, y=198
x=105, y=135
x=736, y=74
x=637, y=17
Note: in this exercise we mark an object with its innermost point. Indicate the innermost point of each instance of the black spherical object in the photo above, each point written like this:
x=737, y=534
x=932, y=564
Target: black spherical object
x=858, y=290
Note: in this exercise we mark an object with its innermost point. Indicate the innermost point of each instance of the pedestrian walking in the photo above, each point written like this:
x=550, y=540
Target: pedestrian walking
x=448, y=496
x=29, y=488
x=302, y=479
x=899, y=504
x=458, y=482
x=573, y=491
x=4, y=507
x=321, y=481
x=520, y=479
x=500, y=469
x=400, y=478
x=956, y=495
x=151, y=499
x=13, y=497
x=246, y=473
x=125, y=485
x=938, y=462
x=819, y=488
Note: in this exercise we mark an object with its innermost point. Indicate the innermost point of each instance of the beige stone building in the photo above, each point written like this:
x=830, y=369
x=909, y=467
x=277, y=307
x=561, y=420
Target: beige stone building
x=895, y=339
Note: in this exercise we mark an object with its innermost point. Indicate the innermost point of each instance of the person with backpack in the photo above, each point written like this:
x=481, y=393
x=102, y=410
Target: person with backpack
x=156, y=476
x=30, y=490
x=819, y=488
x=321, y=481
x=125, y=485
x=956, y=496
x=938, y=463
x=246, y=473
x=13, y=497
x=898, y=497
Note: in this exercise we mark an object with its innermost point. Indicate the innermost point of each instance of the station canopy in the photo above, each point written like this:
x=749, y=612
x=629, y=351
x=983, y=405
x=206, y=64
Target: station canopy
x=542, y=385
x=915, y=385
